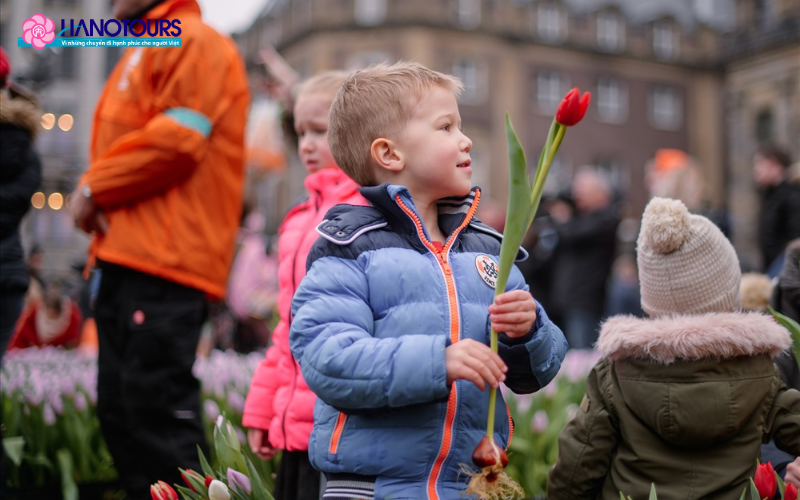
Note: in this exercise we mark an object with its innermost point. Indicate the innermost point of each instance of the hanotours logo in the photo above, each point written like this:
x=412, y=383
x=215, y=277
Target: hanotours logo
x=39, y=32
x=487, y=268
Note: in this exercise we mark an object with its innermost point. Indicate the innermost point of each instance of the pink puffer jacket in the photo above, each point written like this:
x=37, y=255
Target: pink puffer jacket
x=279, y=400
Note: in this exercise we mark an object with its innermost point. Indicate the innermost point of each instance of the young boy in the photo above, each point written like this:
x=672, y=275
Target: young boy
x=391, y=323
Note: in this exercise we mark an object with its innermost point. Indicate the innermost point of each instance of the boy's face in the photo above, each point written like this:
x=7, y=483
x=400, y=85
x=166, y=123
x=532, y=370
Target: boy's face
x=435, y=151
x=311, y=125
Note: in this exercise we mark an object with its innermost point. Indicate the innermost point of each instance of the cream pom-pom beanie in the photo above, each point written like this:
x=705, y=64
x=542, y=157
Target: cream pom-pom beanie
x=686, y=265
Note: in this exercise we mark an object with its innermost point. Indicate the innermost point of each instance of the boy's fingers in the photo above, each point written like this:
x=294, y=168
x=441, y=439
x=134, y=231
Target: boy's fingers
x=513, y=318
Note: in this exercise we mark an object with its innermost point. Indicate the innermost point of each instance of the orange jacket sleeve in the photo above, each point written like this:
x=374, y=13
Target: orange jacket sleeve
x=189, y=96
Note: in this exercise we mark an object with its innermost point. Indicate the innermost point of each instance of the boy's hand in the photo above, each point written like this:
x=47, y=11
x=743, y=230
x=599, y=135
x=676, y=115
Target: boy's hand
x=513, y=313
x=793, y=473
x=258, y=440
x=471, y=360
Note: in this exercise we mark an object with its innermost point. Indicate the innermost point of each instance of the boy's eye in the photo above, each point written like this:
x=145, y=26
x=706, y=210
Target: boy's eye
x=446, y=128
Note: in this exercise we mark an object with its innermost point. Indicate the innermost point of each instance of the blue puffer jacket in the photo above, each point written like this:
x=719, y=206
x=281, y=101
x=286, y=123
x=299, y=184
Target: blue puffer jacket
x=372, y=319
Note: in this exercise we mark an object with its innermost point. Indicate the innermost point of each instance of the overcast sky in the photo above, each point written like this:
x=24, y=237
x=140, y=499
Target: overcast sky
x=230, y=16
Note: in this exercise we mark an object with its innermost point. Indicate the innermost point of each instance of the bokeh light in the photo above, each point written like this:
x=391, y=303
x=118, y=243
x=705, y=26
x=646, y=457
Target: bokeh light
x=56, y=201
x=65, y=122
x=37, y=200
x=48, y=120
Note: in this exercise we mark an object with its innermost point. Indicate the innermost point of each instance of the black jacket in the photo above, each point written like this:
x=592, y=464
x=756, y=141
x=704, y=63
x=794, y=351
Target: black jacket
x=585, y=253
x=779, y=220
x=20, y=177
x=786, y=300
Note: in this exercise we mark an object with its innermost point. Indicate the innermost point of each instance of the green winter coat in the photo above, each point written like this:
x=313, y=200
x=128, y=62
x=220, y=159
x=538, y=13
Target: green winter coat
x=682, y=402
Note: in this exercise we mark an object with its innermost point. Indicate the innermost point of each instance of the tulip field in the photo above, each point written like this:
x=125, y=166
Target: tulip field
x=52, y=439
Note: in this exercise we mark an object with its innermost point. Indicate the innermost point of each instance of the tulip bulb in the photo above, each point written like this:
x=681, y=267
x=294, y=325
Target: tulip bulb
x=491, y=483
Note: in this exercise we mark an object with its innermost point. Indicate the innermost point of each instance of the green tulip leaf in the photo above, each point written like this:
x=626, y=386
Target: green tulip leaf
x=14, y=448
x=794, y=329
x=653, y=495
x=754, y=491
x=69, y=489
x=207, y=470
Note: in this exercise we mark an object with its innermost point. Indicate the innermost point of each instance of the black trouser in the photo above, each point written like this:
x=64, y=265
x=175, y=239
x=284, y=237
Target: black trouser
x=296, y=479
x=148, y=400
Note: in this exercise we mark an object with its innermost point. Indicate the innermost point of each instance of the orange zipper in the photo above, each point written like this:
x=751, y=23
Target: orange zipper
x=455, y=327
x=337, y=433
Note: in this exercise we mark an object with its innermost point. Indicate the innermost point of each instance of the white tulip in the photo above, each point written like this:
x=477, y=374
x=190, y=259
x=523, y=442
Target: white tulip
x=217, y=490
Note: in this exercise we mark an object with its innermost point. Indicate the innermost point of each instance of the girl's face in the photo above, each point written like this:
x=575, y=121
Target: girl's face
x=311, y=125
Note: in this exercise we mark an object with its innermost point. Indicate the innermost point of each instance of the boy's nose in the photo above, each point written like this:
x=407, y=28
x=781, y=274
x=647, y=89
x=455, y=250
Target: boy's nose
x=466, y=145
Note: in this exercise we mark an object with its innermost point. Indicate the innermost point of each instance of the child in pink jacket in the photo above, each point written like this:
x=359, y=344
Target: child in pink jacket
x=279, y=410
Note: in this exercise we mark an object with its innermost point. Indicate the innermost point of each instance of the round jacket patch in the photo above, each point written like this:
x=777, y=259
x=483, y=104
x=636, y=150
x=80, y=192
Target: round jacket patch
x=487, y=268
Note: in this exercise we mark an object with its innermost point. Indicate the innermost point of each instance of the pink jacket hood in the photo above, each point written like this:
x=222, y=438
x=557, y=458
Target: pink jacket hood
x=279, y=400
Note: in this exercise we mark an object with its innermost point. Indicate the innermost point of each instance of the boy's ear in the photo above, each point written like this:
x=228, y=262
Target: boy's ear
x=386, y=155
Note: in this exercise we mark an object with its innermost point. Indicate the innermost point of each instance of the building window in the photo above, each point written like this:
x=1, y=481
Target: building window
x=665, y=40
x=474, y=79
x=550, y=23
x=363, y=59
x=610, y=31
x=666, y=108
x=550, y=89
x=370, y=12
x=468, y=13
x=764, y=125
x=612, y=100
x=67, y=63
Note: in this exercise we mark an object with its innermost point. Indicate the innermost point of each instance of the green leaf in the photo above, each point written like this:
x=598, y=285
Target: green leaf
x=69, y=489
x=744, y=492
x=794, y=330
x=198, y=484
x=14, y=448
x=207, y=470
x=653, y=495
x=187, y=493
x=259, y=490
x=781, y=485
x=754, y=491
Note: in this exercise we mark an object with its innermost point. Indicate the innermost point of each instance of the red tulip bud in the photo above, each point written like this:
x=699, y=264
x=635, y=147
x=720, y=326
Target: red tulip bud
x=488, y=455
x=573, y=108
x=208, y=480
x=765, y=481
x=162, y=491
x=190, y=472
x=790, y=493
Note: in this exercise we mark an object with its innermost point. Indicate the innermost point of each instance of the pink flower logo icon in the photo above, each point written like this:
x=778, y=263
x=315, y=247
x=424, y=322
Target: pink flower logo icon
x=38, y=31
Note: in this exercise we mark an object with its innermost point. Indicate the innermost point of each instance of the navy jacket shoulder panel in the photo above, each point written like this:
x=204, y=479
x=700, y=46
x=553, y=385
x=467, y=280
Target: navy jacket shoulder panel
x=349, y=230
x=344, y=223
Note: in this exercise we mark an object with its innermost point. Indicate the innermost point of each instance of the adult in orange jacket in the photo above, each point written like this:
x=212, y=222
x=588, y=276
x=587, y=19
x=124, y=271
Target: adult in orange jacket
x=162, y=196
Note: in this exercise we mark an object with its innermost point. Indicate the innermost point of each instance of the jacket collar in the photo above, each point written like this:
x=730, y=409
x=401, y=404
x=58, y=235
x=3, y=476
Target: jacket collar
x=330, y=183
x=665, y=340
x=452, y=211
x=19, y=112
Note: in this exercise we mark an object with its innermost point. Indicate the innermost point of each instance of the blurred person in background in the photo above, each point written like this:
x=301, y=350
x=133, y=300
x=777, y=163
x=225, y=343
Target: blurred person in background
x=20, y=177
x=779, y=220
x=162, y=196
x=674, y=174
x=623, y=288
x=584, y=255
x=279, y=410
x=55, y=320
x=786, y=300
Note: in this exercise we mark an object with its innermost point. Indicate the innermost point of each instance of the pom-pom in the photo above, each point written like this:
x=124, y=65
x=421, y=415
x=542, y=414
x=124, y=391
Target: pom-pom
x=665, y=225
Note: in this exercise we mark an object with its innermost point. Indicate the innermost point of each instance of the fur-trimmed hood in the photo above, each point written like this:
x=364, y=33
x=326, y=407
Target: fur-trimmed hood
x=665, y=340
x=20, y=113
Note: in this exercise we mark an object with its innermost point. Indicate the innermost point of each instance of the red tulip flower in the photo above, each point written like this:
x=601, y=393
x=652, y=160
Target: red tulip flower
x=208, y=481
x=162, y=491
x=573, y=108
x=790, y=493
x=190, y=472
x=765, y=481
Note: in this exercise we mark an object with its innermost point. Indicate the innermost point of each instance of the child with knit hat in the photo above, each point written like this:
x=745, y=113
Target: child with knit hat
x=684, y=398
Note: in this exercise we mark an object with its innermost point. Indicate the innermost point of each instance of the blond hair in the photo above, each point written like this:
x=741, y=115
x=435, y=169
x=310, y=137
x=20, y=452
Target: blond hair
x=375, y=102
x=325, y=83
